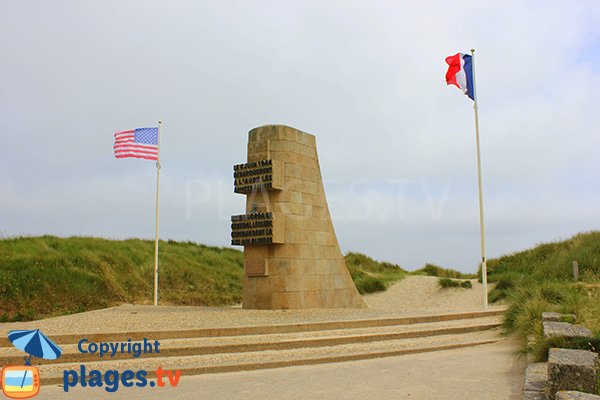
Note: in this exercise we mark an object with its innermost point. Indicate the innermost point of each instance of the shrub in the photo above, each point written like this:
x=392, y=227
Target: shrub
x=370, y=285
x=466, y=284
x=453, y=283
x=446, y=282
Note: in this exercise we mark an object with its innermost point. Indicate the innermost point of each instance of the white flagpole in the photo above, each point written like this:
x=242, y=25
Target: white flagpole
x=481, y=221
x=157, y=204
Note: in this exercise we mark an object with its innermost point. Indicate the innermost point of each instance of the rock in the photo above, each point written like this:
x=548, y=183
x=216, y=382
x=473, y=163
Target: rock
x=536, y=382
x=536, y=377
x=553, y=329
x=571, y=395
x=535, y=396
x=572, y=370
x=558, y=317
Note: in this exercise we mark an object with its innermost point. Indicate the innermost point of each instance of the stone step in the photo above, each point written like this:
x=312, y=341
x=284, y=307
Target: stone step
x=553, y=329
x=262, y=329
x=252, y=360
x=276, y=341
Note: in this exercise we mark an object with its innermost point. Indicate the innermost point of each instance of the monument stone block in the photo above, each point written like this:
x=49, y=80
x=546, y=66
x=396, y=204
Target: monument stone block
x=291, y=255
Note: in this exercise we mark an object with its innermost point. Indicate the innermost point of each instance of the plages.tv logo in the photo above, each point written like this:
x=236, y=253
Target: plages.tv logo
x=111, y=380
x=23, y=381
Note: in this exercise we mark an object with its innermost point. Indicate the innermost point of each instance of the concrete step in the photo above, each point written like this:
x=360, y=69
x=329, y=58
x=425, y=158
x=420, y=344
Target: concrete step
x=274, y=358
x=273, y=341
x=263, y=329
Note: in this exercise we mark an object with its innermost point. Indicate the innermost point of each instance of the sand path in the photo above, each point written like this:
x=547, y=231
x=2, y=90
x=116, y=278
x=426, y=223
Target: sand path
x=422, y=294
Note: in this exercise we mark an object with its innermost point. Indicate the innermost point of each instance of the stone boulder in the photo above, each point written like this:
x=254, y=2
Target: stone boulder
x=572, y=370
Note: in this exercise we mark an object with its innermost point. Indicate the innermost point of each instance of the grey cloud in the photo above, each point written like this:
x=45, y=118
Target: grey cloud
x=366, y=78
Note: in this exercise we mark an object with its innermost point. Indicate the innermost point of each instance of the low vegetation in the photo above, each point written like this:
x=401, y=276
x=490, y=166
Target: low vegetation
x=454, y=283
x=435, y=270
x=49, y=276
x=541, y=279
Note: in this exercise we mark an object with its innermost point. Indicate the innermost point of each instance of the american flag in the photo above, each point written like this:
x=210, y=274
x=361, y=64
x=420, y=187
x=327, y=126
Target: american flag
x=138, y=143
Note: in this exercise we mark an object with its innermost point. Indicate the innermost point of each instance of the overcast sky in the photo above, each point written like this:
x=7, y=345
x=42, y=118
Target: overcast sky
x=396, y=144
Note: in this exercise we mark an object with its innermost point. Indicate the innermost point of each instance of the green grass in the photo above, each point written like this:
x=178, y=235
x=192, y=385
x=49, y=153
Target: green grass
x=540, y=279
x=47, y=276
x=435, y=270
x=50, y=276
x=454, y=283
x=372, y=276
x=552, y=260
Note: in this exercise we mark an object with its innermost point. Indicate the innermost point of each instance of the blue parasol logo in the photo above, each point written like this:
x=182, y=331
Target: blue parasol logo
x=34, y=343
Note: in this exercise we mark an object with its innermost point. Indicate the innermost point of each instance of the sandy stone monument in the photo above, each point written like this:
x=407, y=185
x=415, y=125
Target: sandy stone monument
x=291, y=255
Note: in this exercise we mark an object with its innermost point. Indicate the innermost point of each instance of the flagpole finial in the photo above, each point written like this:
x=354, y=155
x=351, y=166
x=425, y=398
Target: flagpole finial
x=472, y=50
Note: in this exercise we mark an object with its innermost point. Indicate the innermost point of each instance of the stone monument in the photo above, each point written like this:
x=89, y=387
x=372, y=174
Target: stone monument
x=292, y=258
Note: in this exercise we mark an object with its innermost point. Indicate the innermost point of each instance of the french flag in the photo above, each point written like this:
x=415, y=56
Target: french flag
x=460, y=73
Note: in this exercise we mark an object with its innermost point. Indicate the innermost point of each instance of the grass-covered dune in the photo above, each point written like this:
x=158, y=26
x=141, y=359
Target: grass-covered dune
x=372, y=276
x=44, y=276
x=48, y=276
x=552, y=260
x=541, y=279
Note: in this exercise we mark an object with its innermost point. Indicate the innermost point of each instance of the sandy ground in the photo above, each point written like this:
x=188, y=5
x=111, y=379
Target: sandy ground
x=487, y=372
x=423, y=294
x=414, y=295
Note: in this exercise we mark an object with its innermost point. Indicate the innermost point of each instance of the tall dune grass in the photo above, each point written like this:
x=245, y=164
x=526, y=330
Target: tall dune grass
x=540, y=279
